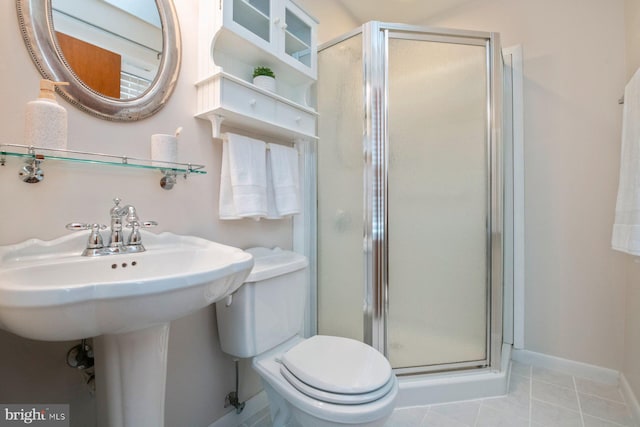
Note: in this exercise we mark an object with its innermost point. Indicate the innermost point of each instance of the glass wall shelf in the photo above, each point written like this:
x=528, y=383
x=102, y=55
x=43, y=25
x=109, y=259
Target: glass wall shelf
x=34, y=156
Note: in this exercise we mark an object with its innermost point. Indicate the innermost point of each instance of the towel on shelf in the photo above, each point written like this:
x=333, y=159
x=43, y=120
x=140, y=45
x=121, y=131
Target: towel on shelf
x=243, y=179
x=626, y=228
x=285, y=179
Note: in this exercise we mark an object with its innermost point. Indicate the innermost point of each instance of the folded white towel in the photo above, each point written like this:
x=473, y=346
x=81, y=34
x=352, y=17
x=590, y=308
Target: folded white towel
x=244, y=178
x=626, y=228
x=285, y=179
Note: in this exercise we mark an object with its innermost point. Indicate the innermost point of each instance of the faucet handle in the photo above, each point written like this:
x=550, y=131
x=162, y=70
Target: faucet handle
x=95, y=239
x=81, y=226
x=135, y=239
x=142, y=224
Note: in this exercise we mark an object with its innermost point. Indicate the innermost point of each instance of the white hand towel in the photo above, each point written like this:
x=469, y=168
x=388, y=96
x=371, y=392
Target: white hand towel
x=272, y=211
x=285, y=179
x=626, y=228
x=246, y=159
x=226, y=208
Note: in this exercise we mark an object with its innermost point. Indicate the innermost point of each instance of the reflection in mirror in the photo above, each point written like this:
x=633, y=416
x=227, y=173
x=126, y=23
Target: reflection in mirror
x=144, y=50
x=113, y=46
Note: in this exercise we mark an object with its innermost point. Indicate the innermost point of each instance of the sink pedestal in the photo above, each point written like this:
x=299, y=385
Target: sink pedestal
x=131, y=373
x=50, y=292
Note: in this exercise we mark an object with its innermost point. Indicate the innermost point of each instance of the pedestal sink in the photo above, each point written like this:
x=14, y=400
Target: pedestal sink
x=48, y=291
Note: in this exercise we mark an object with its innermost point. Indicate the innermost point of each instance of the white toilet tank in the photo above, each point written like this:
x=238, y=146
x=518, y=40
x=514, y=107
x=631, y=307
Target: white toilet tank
x=269, y=308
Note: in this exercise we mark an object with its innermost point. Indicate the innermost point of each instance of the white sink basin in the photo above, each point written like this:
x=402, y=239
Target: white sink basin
x=49, y=292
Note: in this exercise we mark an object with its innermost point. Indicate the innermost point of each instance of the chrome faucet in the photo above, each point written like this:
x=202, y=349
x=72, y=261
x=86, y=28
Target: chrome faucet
x=116, y=245
x=117, y=213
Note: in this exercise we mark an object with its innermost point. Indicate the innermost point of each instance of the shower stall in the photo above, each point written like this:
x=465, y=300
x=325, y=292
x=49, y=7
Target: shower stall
x=410, y=195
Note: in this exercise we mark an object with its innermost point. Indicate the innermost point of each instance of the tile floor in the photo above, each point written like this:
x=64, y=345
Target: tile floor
x=538, y=397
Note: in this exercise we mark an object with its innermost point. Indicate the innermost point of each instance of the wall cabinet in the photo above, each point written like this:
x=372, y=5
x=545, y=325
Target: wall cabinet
x=277, y=26
x=235, y=36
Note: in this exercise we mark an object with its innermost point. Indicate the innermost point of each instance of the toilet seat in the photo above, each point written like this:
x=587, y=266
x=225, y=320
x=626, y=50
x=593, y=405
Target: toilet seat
x=269, y=364
x=325, y=396
x=337, y=370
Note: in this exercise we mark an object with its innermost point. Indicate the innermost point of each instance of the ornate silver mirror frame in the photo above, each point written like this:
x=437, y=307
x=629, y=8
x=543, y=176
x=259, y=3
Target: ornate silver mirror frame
x=36, y=23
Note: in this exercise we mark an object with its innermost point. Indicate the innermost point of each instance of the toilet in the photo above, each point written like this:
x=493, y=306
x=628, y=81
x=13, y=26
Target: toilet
x=320, y=381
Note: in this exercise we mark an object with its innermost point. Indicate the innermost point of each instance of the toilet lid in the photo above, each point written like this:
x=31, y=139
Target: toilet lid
x=343, y=399
x=338, y=365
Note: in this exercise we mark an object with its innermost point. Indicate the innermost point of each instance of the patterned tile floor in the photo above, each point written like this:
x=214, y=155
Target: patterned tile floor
x=538, y=397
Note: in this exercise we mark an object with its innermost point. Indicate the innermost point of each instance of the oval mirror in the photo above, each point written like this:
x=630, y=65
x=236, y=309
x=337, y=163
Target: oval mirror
x=121, y=58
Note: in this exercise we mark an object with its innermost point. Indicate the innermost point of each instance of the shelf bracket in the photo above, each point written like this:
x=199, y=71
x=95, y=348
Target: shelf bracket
x=216, y=121
x=307, y=94
x=31, y=172
x=168, y=179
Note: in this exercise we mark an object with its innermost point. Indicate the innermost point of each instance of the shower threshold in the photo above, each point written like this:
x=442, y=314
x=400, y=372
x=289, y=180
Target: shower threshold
x=427, y=389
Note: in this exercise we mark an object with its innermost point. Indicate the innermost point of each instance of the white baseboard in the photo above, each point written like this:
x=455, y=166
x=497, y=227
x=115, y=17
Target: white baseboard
x=630, y=399
x=578, y=369
x=252, y=406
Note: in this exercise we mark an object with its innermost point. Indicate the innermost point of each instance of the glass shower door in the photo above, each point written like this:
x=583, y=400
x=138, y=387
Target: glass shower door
x=437, y=198
x=409, y=195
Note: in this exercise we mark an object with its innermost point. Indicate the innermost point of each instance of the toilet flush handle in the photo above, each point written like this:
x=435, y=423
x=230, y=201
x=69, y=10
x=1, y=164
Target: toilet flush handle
x=228, y=301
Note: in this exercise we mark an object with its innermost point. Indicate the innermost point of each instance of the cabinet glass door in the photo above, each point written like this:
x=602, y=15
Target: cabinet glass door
x=255, y=16
x=298, y=36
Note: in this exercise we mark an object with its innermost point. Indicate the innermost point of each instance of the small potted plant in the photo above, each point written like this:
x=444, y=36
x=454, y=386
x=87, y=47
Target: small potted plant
x=264, y=78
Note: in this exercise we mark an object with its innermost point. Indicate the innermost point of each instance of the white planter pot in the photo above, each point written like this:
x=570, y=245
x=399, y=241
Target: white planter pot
x=265, y=82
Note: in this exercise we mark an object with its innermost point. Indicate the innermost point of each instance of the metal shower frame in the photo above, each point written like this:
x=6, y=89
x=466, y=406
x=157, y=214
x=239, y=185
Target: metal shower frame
x=376, y=37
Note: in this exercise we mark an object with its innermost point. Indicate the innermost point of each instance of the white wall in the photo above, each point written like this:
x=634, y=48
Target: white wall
x=577, y=306
x=199, y=374
x=574, y=74
x=632, y=33
x=333, y=17
x=574, y=66
x=631, y=367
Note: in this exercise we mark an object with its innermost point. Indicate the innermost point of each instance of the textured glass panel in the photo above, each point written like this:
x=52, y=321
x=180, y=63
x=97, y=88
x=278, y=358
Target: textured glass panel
x=437, y=198
x=340, y=190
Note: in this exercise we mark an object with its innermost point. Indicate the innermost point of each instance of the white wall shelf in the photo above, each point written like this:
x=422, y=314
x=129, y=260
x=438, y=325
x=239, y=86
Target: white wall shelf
x=223, y=98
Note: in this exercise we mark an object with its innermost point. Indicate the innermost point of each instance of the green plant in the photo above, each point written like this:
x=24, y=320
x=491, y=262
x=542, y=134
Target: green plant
x=263, y=71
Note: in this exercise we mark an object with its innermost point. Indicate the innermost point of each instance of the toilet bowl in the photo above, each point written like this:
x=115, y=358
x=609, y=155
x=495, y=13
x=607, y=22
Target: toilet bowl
x=320, y=381
x=369, y=404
